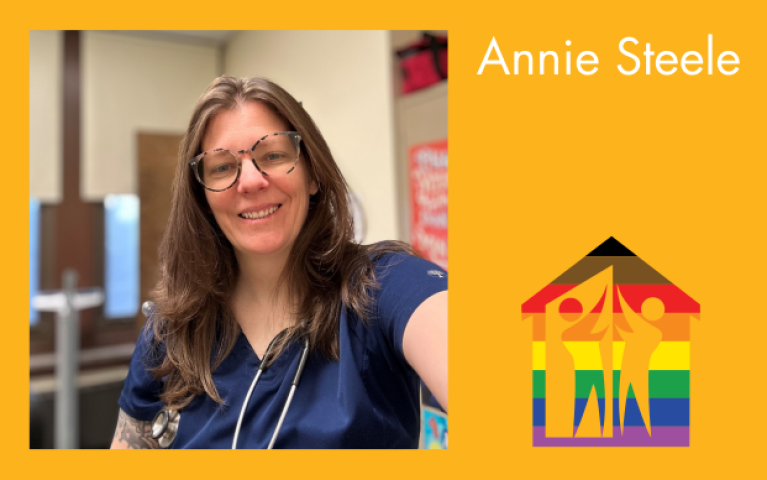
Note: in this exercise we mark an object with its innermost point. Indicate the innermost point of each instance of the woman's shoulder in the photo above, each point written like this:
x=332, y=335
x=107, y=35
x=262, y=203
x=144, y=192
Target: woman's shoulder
x=140, y=397
x=150, y=349
x=403, y=281
x=397, y=261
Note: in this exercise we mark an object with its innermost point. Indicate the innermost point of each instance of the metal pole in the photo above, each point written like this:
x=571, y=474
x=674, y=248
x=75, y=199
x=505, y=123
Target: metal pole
x=67, y=365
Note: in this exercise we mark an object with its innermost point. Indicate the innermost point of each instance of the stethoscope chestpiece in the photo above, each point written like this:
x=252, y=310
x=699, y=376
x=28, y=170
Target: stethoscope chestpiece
x=165, y=427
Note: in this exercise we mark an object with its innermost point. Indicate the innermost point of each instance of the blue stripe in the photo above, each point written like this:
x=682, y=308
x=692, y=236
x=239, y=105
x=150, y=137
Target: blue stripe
x=665, y=412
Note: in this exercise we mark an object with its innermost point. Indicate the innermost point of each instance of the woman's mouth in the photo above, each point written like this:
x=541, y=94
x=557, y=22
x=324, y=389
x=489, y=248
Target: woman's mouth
x=260, y=214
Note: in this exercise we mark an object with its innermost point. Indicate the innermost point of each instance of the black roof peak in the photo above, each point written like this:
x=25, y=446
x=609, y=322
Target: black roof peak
x=611, y=248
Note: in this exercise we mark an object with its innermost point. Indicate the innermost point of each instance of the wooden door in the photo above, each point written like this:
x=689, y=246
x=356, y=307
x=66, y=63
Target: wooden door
x=157, y=158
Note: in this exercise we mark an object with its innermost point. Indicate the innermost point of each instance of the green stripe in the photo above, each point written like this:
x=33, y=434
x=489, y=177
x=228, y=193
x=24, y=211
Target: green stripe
x=663, y=383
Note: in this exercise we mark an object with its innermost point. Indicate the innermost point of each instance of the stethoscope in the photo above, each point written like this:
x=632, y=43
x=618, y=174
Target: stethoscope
x=165, y=423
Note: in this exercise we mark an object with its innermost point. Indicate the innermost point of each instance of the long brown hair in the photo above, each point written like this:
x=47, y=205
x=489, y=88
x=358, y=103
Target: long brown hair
x=326, y=269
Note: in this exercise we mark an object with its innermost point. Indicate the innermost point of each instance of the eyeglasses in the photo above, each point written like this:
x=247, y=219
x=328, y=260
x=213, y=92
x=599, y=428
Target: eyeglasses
x=273, y=155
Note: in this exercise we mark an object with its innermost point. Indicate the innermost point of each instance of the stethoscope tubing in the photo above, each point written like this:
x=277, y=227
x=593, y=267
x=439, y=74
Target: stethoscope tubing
x=244, y=407
x=261, y=369
x=282, y=417
x=293, y=387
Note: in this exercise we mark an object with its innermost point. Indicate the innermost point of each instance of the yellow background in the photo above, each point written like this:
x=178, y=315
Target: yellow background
x=542, y=170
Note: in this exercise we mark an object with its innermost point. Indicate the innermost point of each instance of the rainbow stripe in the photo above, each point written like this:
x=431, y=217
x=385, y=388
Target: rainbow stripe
x=631, y=437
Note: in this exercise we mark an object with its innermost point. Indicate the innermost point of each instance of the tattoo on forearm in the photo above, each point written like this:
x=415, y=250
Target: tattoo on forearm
x=134, y=433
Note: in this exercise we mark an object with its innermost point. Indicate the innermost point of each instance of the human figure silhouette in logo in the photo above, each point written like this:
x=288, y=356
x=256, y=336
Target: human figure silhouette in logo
x=561, y=359
x=640, y=343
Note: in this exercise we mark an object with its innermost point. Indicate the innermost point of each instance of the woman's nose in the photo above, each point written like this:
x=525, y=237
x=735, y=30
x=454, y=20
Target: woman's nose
x=250, y=178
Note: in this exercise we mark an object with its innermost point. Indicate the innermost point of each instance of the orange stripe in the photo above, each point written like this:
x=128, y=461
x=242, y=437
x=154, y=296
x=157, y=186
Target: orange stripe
x=675, y=327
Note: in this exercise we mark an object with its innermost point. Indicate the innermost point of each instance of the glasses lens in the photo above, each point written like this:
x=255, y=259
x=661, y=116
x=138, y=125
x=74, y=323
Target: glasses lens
x=277, y=154
x=217, y=170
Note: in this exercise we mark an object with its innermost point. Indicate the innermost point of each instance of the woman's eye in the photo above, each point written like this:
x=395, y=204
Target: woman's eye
x=220, y=169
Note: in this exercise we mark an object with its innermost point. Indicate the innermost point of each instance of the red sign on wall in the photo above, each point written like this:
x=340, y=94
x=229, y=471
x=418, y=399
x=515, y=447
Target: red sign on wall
x=428, y=200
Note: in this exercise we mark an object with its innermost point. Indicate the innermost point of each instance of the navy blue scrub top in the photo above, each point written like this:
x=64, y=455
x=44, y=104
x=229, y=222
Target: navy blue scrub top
x=369, y=398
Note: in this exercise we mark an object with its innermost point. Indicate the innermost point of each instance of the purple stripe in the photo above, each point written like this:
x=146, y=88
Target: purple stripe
x=632, y=437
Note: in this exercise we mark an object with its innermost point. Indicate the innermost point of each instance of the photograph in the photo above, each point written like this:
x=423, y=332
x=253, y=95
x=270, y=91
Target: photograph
x=238, y=239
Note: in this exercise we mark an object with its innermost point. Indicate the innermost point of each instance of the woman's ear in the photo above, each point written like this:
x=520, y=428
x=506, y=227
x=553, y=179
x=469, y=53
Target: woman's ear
x=314, y=187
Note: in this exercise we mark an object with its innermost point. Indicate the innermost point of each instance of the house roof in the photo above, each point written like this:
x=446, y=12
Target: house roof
x=636, y=278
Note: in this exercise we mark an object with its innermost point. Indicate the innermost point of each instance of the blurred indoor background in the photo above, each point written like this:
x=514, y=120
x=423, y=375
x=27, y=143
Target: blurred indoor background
x=107, y=112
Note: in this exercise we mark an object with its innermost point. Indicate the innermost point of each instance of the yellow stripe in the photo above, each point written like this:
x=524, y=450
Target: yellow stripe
x=539, y=355
x=668, y=355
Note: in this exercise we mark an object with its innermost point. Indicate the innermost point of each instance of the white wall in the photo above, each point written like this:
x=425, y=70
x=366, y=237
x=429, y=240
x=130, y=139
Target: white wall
x=344, y=80
x=133, y=84
x=46, y=59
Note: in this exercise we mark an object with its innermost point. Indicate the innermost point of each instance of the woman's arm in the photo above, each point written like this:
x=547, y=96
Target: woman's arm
x=425, y=344
x=132, y=433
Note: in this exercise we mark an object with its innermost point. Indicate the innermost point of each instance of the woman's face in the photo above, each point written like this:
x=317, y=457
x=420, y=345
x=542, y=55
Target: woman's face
x=283, y=201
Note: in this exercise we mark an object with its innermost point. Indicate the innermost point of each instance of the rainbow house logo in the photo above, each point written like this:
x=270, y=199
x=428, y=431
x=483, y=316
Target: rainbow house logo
x=611, y=355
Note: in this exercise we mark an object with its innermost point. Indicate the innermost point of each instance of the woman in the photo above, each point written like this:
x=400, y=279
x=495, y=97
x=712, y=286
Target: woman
x=259, y=247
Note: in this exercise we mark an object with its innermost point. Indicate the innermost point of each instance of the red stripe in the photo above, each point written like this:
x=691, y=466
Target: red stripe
x=537, y=303
x=673, y=298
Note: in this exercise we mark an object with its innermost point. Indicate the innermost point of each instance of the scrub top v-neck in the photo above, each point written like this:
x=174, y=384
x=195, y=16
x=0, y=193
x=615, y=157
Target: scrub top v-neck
x=369, y=398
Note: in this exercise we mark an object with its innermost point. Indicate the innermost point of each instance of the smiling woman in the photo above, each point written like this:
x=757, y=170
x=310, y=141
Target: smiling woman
x=262, y=213
x=263, y=285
